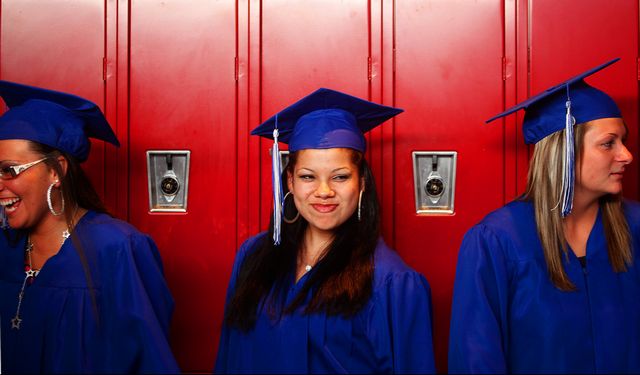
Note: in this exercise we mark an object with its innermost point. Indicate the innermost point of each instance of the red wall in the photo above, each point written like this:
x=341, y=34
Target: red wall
x=189, y=74
x=448, y=87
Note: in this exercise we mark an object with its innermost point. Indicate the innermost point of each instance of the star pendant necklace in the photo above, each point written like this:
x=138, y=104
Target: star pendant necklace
x=30, y=275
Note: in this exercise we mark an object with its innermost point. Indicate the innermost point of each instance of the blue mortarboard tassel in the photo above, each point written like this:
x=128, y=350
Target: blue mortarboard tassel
x=544, y=117
x=277, y=186
x=321, y=120
x=568, y=173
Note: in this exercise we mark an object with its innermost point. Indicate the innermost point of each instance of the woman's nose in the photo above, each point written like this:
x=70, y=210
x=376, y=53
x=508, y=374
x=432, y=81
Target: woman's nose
x=625, y=156
x=324, y=190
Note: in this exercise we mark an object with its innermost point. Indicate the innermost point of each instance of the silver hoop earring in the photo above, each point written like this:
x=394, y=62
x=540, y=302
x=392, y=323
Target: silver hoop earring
x=50, y=204
x=360, y=205
x=288, y=221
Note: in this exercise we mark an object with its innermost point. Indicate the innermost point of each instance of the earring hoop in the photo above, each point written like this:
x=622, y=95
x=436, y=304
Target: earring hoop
x=288, y=221
x=360, y=205
x=50, y=203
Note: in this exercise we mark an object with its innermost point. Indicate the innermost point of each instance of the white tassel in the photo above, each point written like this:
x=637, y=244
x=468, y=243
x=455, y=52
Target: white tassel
x=568, y=173
x=566, y=195
x=276, y=170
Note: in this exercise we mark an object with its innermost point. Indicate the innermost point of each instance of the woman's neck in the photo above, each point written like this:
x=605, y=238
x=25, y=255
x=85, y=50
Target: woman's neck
x=577, y=226
x=48, y=236
x=315, y=243
x=584, y=206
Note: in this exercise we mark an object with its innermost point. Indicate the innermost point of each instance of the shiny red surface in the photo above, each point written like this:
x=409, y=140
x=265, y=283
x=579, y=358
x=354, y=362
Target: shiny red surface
x=195, y=75
x=40, y=45
x=320, y=57
x=612, y=32
x=182, y=96
x=448, y=87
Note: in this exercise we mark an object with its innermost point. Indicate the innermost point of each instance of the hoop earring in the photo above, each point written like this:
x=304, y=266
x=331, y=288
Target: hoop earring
x=288, y=221
x=360, y=205
x=50, y=204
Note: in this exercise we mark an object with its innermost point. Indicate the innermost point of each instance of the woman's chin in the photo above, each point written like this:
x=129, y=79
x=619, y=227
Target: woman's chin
x=17, y=221
x=15, y=224
x=325, y=224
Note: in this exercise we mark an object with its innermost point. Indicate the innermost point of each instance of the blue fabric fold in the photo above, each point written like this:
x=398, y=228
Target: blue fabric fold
x=391, y=334
x=508, y=317
x=62, y=331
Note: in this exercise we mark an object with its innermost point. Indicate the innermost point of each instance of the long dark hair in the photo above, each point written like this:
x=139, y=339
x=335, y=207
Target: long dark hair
x=341, y=283
x=75, y=185
x=78, y=192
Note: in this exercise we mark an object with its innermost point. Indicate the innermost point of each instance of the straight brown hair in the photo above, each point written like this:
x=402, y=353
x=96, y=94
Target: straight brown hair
x=544, y=185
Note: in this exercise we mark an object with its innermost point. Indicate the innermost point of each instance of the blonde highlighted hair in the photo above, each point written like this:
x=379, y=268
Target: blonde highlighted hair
x=544, y=186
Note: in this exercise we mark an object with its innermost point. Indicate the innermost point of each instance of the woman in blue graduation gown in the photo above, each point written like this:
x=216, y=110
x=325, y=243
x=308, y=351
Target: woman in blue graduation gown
x=550, y=283
x=80, y=291
x=326, y=295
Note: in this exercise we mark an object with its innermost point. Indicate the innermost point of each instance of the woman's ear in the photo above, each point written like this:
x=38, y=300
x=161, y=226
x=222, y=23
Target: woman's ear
x=62, y=162
x=289, y=180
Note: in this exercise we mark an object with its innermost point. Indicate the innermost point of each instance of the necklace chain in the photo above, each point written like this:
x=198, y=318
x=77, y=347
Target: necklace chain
x=309, y=265
x=30, y=275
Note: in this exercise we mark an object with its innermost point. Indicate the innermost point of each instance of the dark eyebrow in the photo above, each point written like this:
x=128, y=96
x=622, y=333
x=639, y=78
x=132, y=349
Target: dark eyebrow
x=337, y=169
x=333, y=171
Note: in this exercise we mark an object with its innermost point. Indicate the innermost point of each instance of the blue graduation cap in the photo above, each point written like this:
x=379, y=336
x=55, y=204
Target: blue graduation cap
x=326, y=119
x=323, y=119
x=560, y=107
x=62, y=121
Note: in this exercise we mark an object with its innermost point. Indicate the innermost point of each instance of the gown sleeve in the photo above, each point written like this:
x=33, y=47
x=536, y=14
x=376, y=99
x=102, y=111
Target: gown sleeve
x=409, y=298
x=479, y=331
x=220, y=366
x=141, y=305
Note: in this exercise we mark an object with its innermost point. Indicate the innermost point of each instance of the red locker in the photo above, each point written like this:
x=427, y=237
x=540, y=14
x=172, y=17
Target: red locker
x=40, y=45
x=566, y=39
x=182, y=97
x=448, y=87
x=294, y=67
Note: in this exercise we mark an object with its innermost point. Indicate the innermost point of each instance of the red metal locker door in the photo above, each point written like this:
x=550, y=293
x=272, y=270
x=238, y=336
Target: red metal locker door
x=182, y=96
x=41, y=45
x=570, y=37
x=449, y=80
x=307, y=45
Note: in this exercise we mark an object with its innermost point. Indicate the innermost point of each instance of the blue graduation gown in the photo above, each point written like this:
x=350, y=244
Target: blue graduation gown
x=392, y=333
x=507, y=316
x=60, y=332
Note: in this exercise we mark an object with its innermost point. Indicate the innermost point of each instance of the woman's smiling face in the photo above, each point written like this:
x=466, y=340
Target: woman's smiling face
x=23, y=197
x=325, y=185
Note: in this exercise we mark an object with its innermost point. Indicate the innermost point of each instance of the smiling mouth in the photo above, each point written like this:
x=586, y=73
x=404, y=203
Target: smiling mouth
x=9, y=204
x=324, y=208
